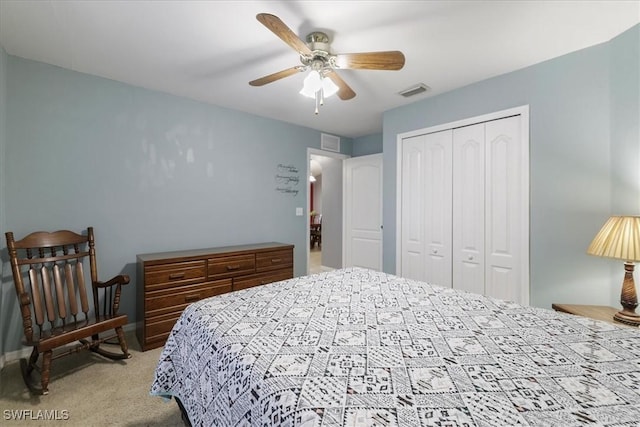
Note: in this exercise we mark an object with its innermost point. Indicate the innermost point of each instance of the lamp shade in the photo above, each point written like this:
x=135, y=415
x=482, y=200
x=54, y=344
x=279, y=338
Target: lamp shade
x=619, y=238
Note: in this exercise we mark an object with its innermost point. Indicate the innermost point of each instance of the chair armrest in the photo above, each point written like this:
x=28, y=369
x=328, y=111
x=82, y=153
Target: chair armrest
x=117, y=281
x=121, y=279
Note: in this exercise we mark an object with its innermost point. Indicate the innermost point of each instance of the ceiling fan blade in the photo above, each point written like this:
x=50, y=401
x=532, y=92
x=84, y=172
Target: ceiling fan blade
x=276, y=76
x=389, y=60
x=281, y=30
x=344, y=92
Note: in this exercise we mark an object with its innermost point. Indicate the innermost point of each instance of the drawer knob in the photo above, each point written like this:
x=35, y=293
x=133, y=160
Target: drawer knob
x=176, y=276
x=276, y=259
x=233, y=267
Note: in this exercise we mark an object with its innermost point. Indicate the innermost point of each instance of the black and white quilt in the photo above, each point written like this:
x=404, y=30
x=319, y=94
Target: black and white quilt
x=354, y=347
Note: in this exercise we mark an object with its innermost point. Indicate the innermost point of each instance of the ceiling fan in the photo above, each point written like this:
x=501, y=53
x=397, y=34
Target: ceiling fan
x=316, y=56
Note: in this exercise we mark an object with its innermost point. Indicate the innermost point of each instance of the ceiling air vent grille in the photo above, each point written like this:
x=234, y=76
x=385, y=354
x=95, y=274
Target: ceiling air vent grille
x=330, y=142
x=414, y=90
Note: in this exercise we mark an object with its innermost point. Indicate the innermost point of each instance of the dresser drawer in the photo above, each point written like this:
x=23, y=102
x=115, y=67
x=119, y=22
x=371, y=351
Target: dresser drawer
x=157, y=328
x=274, y=260
x=231, y=266
x=261, y=279
x=174, y=274
x=176, y=299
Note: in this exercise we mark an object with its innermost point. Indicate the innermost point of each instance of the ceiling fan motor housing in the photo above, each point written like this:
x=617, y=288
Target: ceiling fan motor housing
x=318, y=41
x=320, y=57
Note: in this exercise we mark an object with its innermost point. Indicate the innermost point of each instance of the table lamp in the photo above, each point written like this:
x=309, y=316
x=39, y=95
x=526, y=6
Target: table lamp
x=619, y=238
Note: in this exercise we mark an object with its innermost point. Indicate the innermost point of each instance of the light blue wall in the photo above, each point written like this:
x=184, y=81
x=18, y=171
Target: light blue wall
x=365, y=145
x=150, y=171
x=625, y=135
x=5, y=291
x=571, y=180
x=625, y=122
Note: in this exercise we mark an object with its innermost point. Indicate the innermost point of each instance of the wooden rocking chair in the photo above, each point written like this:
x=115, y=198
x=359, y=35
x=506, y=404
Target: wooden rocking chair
x=55, y=298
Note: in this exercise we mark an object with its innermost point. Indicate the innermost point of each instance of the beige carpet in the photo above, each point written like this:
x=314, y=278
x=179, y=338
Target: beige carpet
x=93, y=391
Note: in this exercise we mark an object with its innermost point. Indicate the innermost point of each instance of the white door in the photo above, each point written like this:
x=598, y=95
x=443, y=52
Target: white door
x=363, y=212
x=504, y=216
x=426, y=211
x=413, y=238
x=437, y=208
x=468, y=208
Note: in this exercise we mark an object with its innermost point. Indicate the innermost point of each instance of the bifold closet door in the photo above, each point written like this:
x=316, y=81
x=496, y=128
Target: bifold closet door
x=426, y=207
x=487, y=221
x=504, y=216
x=469, y=208
x=464, y=208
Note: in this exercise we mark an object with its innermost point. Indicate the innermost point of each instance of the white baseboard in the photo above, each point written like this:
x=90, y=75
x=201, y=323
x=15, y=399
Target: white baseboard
x=26, y=352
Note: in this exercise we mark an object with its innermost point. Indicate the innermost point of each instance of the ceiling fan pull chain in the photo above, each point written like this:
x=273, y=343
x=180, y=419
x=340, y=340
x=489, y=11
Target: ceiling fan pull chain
x=317, y=101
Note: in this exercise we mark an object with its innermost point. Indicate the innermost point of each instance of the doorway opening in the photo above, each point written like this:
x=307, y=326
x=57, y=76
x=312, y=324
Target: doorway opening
x=324, y=204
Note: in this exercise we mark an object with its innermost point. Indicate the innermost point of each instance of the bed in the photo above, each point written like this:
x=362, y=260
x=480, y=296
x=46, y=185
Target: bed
x=355, y=347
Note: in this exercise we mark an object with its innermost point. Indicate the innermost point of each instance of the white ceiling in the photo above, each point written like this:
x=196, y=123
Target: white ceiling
x=210, y=50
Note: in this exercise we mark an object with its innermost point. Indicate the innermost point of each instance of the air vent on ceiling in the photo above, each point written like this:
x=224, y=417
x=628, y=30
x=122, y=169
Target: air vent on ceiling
x=414, y=90
x=330, y=142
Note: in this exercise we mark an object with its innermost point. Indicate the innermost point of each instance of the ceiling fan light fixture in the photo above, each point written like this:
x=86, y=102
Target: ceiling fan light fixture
x=329, y=88
x=312, y=84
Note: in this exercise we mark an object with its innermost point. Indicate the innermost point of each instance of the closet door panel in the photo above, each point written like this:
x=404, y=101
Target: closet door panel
x=413, y=245
x=437, y=215
x=503, y=201
x=468, y=208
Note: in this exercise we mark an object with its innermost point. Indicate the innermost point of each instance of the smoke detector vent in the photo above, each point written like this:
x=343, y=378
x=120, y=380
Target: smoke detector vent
x=414, y=90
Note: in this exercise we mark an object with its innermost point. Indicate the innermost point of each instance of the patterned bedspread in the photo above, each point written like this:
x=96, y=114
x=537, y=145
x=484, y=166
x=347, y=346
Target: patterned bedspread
x=355, y=347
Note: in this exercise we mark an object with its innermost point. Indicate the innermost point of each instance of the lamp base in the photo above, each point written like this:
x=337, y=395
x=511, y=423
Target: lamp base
x=627, y=317
x=628, y=299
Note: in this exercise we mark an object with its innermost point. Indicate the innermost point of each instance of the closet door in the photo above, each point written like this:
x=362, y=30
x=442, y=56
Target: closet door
x=437, y=213
x=469, y=208
x=464, y=205
x=504, y=223
x=413, y=245
x=426, y=210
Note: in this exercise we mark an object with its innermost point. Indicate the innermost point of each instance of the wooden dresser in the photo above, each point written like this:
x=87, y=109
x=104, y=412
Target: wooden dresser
x=169, y=281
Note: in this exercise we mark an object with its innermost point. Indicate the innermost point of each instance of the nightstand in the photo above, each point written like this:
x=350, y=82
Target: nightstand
x=597, y=312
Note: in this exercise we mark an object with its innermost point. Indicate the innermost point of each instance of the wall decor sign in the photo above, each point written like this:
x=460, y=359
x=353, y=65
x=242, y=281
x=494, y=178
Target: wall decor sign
x=287, y=179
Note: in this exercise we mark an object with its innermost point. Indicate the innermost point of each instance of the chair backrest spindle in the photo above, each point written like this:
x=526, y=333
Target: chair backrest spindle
x=62, y=306
x=71, y=290
x=84, y=302
x=36, y=296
